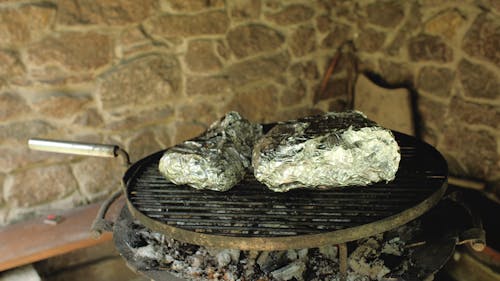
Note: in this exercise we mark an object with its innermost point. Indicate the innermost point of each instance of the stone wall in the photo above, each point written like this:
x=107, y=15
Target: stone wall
x=148, y=74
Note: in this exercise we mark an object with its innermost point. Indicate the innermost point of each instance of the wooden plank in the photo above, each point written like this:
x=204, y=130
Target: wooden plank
x=31, y=241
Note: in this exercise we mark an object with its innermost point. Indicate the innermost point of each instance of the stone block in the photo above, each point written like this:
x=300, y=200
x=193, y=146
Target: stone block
x=257, y=102
x=455, y=167
x=476, y=150
x=153, y=79
x=324, y=23
x=294, y=94
x=390, y=108
x=439, y=3
x=201, y=57
x=385, y=13
x=131, y=36
x=475, y=114
x=432, y=113
x=2, y=200
x=478, y=81
x=339, y=34
x=344, y=10
x=247, y=40
x=73, y=51
x=445, y=23
x=61, y=106
x=272, y=5
x=223, y=50
x=90, y=118
x=164, y=133
x=208, y=86
x=193, y=5
x=482, y=40
x=201, y=113
x=39, y=185
x=117, y=12
x=303, y=41
x=205, y=23
x=435, y=80
x=409, y=27
x=395, y=73
x=491, y=5
x=12, y=106
x=20, y=131
x=187, y=130
x=138, y=49
x=14, y=158
x=292, y=14
x=243, y=9
x=26, y=23
x=143, y=144
x=305, y=70
x=11, y=67
x=133, y=119
x=98, y=176
x=255, y=69
x=429, y=135
x=370, y=40
x=424, y=47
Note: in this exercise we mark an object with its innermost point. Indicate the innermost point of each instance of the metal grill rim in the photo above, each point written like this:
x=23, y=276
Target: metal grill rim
x=252, y=210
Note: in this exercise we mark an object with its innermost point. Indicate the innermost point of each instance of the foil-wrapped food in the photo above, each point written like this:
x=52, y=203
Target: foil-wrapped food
x=332, y=150
x=218, y=159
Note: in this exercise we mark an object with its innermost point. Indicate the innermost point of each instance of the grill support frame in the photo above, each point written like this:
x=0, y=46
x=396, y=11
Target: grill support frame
x=290, y=242
x=335, y=237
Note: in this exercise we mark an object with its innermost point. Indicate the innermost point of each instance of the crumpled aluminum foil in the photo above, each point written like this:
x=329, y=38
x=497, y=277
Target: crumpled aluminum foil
x=218, y=159
x=332, y=150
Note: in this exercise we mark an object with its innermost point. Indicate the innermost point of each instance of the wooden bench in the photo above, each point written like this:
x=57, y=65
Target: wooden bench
x=27, y=242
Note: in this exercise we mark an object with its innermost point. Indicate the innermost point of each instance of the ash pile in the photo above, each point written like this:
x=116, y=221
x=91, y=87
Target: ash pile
x=380, y=257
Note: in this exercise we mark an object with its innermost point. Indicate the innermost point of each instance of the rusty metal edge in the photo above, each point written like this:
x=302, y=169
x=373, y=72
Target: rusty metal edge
x=291, y=242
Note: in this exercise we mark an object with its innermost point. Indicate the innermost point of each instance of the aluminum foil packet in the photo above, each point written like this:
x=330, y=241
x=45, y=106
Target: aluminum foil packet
x=332, y=150
x=218, y=159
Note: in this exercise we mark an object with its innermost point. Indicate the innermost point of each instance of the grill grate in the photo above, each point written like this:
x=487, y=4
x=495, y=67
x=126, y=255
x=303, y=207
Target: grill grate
x=252, y=210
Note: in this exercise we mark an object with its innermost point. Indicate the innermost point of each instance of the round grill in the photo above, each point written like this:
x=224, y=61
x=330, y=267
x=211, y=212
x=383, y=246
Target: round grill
x=250, y=216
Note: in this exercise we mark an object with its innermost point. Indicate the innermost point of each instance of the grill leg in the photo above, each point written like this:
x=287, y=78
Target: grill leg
x=343, y=261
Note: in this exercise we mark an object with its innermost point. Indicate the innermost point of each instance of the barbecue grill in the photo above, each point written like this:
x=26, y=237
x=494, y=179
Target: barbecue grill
x=251, y=217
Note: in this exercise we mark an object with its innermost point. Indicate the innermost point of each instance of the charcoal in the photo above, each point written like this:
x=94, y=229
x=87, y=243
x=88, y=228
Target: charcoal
x=331, y=150
x=217, y=160
x=293, y=270
x=367, y=262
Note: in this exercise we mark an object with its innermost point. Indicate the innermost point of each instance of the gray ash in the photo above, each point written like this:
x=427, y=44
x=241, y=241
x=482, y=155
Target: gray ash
x=366, y=262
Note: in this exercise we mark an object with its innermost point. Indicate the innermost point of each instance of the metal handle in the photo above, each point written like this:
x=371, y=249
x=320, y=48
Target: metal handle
x=78, y=148
x=100, y=224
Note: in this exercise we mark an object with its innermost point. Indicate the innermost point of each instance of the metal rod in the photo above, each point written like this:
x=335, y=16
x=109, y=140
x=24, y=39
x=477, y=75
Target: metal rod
x=124, y=155
x=343, y=261
x=78, y=148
